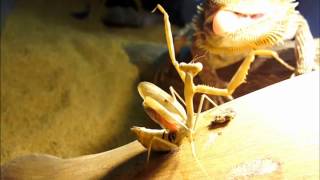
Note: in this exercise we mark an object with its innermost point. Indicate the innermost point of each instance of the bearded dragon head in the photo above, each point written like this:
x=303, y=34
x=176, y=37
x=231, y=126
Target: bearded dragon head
x=246, y=24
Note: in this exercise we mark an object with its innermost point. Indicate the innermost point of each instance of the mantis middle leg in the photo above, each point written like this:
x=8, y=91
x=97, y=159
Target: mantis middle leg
x=175, y=94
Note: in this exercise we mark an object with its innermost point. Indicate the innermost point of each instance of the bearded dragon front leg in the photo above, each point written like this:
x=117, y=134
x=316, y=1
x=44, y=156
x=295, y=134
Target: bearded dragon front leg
x=305, y=50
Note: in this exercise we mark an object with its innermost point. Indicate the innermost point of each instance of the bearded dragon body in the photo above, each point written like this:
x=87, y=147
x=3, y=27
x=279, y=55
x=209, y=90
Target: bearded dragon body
x=226, y=31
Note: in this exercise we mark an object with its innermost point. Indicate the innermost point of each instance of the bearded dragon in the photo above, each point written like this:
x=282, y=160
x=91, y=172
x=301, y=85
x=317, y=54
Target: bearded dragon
x=224, y=32
x=227, y=31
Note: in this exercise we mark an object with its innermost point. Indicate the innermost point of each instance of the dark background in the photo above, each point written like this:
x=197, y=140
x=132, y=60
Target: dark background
x=310, y=10
x=182, y=11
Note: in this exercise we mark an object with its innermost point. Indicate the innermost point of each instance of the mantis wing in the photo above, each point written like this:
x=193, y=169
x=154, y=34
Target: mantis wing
x=161, y=107
x=147, y=89
x=161, y=115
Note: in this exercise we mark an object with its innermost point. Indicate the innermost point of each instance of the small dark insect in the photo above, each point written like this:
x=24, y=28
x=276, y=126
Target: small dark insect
x=222, y=119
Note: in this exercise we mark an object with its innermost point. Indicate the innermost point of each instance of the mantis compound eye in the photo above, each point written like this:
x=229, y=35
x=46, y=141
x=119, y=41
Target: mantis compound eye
x=172, y=136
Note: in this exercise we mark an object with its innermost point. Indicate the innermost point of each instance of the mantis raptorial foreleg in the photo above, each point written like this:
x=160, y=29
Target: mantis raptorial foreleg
x=170, y=44
x=240, y=76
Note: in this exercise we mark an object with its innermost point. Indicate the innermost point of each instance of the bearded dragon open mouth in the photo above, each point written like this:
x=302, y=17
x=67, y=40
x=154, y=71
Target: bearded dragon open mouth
x=227, y=21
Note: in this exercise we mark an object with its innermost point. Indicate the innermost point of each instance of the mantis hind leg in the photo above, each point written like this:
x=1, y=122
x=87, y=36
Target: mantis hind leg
x=161, y=142
x=194, y=154
x=191, y=138
x=203, y=97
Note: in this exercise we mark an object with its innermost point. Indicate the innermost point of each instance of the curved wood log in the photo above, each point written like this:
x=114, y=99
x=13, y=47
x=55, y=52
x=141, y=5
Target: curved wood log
x=275, y=135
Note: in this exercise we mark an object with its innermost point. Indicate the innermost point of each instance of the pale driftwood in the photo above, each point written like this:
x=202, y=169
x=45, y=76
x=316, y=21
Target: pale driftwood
x=275, y=135
x=94, y=166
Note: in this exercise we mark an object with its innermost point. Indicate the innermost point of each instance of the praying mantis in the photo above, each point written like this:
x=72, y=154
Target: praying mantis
x=176, y=121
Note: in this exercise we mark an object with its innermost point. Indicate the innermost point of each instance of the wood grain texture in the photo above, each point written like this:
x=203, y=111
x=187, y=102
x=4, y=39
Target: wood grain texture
x=275, y=135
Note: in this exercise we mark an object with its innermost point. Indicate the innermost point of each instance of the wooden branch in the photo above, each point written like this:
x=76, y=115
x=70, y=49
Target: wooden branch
x=275, y=135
